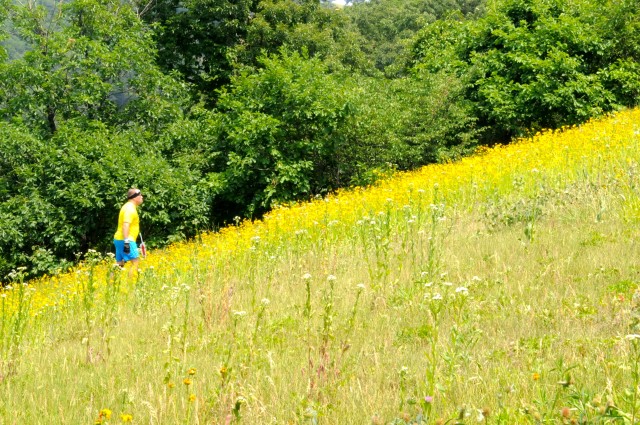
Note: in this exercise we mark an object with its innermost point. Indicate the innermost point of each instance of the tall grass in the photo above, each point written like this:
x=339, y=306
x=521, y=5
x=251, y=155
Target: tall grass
x=499, y=289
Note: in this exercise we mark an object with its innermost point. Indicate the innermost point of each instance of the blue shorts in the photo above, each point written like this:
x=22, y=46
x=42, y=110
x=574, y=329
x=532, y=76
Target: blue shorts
x=121, y=256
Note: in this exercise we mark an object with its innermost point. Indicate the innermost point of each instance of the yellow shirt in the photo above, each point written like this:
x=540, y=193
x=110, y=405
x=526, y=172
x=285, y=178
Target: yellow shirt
x=128, y=214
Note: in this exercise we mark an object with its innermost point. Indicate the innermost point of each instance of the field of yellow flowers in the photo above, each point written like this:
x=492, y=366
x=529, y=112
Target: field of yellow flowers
x=502, y=288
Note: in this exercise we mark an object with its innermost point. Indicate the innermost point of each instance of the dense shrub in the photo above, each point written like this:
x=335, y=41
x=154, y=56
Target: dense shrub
x=61, y=196
x=283, y=132
x=532, y=64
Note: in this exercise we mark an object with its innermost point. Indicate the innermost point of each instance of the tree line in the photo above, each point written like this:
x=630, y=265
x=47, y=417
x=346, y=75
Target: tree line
x=220, y=109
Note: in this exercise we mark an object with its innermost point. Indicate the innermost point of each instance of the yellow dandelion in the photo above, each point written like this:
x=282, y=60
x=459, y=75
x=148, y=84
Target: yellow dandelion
x=192, y=371
x=171, y=384
x=126, y=417
x=186, y=381
x=192, y=397
x=105, y=413
x=536, y=376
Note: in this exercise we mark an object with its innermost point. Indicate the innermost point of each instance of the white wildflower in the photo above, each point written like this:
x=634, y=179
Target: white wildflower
x=462, y=290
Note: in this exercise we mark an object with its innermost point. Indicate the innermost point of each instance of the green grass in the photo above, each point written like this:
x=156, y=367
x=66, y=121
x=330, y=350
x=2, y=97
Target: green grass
x=512, y=308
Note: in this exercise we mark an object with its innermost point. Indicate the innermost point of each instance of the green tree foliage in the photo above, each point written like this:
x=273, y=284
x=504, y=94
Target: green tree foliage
x=532, y=64
x=93, y=60
x=304, y=26
x=387, y=25
x=80, y=115
x=408, y=122
x=16, y=46
x=293, y=102
x=61, y=196
x=194, y=37
x=205, y=40
x=283, y=132
x=4, y=9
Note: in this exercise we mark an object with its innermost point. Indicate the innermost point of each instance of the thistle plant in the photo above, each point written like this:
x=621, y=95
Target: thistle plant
x=89, y=289
x=548, y=404
x=143, y=289
x=354, y=310
x=307, y=316
x=382, y=226
x=108, y=315
x=261, y=311
x=328, y=314
x=172, y=331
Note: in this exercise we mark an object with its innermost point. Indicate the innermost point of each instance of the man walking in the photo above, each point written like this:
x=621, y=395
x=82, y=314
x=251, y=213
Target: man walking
x=128, y=229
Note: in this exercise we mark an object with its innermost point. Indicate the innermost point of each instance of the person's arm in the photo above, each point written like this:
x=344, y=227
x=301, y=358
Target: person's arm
x=125, y=230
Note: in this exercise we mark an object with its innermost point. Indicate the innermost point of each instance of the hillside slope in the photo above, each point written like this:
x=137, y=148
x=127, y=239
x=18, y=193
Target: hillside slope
x=501, y=288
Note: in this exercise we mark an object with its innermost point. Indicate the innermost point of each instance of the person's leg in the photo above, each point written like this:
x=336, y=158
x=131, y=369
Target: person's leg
x=133, y=258
x=134, y=266
x=120, y=255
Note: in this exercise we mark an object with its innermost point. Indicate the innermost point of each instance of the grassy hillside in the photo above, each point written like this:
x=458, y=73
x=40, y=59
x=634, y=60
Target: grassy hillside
x=499, y=289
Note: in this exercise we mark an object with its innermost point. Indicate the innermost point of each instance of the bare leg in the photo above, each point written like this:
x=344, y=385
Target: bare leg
x=134, y=266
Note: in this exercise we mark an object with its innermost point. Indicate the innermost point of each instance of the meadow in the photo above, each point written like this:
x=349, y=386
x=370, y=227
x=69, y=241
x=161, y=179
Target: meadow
x=499, y=289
